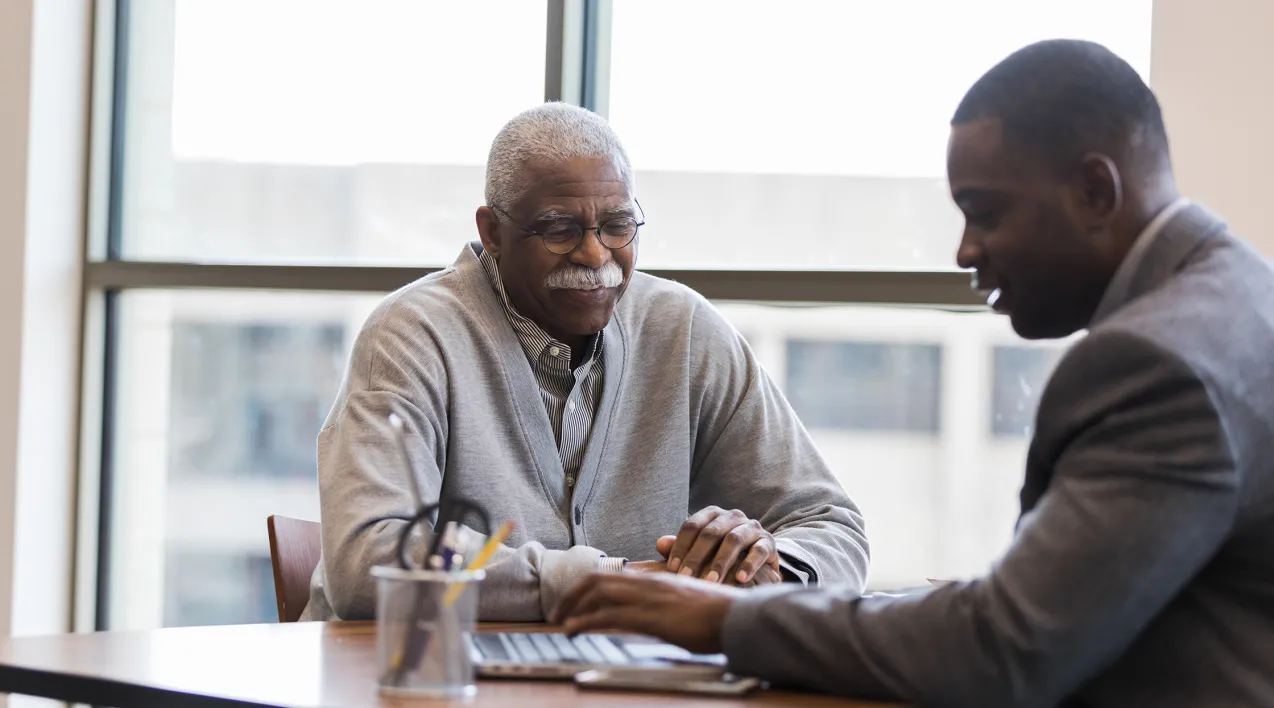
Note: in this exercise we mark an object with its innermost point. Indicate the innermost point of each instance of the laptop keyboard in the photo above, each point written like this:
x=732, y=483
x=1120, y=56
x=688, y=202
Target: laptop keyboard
x=512, y=647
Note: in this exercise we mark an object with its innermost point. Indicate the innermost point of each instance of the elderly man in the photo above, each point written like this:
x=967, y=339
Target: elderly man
x=1142, y=573
x=594, y=406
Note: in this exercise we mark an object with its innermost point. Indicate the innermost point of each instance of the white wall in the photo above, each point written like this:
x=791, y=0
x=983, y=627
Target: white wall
x=15, y=69
x=43, y=102
x=1212, y=66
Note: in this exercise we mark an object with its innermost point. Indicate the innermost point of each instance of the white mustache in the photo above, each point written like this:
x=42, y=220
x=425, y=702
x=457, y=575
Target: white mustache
x=585, y=278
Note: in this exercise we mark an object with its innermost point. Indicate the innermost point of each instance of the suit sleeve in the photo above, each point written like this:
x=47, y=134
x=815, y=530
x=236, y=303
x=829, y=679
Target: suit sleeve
x=1141, y=497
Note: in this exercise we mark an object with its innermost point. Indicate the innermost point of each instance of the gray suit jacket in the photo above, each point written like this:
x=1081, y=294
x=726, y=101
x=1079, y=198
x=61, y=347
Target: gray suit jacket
x=1142, y=572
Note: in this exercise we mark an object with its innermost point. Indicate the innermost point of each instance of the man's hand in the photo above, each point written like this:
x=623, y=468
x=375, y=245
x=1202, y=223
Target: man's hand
x=686, y=612
x=725, y=546
x=656, y=566
x=662, y=546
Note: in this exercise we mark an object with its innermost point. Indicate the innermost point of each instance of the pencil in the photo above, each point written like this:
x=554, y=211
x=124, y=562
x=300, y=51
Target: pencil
x=480, y=560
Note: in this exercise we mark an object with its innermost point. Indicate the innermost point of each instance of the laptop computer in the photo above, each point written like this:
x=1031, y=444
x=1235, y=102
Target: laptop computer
x=556, y=656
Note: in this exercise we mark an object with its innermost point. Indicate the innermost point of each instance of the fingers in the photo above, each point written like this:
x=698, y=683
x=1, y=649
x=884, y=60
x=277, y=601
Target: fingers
x=767, y=575
x=684, y=611
x=698, y=558
x=568, y=604
x=626, y=618
x=757, y=556
x=736, y=547
x=664, y=545
x=688, y=533
x=603, y=590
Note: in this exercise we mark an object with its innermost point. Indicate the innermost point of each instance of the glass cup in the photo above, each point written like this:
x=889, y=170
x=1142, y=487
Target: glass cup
x=424, y=620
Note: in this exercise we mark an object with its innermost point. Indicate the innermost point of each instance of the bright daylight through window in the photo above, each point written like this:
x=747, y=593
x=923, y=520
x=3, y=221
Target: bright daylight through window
x=806, y=134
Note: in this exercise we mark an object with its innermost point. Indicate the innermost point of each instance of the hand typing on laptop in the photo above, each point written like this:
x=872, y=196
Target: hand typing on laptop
x=684, y=611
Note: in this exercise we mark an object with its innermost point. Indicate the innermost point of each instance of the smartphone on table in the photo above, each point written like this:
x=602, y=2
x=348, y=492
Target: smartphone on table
x=674, y=680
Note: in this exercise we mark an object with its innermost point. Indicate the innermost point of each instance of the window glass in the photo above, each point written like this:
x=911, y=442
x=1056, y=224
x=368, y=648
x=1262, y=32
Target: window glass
x=222, y=394
x=303, y=130
x=814, y=133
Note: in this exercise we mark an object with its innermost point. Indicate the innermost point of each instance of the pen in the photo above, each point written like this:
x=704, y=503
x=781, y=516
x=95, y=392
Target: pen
x=447, y=551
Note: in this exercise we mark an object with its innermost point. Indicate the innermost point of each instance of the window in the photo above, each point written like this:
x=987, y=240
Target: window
x=895, y=399
x=299, y=131
x=274, y=167
x=814, y=136
x=221, y=396
x=865, y=385
x=215, y=588
x=1015, y=389
x=250, y=395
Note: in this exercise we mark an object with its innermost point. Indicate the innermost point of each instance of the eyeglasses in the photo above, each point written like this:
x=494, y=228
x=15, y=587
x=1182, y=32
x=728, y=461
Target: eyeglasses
x=563, y=237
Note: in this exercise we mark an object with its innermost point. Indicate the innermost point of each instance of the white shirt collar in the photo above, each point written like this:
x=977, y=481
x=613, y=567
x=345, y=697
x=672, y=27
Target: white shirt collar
x=1116, y=295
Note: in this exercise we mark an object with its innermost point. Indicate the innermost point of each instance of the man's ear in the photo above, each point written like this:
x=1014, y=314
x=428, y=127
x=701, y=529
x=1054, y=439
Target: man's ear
x=489, y=230
x=1100, y=188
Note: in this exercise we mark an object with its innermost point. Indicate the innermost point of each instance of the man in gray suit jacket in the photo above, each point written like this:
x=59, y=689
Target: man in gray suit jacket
x=1142, y=572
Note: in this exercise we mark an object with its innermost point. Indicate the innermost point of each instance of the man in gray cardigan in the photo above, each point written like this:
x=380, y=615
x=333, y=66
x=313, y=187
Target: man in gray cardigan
x=611, y=415
x=1142, y=572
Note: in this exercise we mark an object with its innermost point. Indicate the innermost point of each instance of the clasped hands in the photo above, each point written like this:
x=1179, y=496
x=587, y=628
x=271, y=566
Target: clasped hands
x=671, y=599
x=718, y=546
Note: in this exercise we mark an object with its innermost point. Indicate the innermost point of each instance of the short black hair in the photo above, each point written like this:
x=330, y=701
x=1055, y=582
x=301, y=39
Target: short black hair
x=1065, y=98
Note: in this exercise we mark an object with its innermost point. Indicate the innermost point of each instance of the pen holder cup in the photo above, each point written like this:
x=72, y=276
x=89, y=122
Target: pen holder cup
x=424, y=623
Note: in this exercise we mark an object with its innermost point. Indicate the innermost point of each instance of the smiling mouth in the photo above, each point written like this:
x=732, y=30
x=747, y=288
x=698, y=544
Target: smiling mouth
x=592, y=293
x=994, y=295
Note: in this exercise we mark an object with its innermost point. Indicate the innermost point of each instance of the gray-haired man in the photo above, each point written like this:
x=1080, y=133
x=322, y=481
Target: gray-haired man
x=593, y=406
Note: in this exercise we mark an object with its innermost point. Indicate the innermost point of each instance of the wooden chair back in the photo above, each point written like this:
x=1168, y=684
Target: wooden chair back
x=295, y=547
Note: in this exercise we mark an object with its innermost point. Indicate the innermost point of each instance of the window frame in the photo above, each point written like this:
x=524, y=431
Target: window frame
x=576, y=70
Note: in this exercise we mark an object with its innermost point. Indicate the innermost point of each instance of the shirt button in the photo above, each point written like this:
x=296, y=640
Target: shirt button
x=571, y=406
x=554, y=351
x=570, y=481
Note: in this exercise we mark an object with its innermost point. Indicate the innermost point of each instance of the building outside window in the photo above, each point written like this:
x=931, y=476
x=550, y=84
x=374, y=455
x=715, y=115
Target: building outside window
x=344, y=142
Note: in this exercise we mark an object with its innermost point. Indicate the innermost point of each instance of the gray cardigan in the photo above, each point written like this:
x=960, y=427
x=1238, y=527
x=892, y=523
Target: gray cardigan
x=687, y=418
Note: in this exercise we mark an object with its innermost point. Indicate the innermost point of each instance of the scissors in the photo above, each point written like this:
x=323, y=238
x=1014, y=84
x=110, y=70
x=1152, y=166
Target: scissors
x=454, y=511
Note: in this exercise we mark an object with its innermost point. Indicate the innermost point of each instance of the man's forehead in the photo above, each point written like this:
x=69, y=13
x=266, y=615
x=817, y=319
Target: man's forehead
x=979, y=160
x=978, y=147
x=562, y=185
x=574, y=170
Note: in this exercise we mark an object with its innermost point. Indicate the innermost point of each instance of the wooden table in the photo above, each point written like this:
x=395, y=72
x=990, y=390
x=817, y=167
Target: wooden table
x=300, y=664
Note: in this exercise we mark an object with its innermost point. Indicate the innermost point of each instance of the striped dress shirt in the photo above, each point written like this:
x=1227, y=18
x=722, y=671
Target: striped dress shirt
x=570, y=396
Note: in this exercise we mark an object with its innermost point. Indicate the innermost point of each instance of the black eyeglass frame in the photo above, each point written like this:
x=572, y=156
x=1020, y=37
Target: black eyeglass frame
x=576, y=240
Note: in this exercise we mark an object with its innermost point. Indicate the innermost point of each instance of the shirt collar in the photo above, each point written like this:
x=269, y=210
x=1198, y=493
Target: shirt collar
x=1117, y=292
x=532, y=337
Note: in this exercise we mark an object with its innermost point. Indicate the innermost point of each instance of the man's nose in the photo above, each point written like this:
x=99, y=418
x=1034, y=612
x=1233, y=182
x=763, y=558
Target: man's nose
x=969, y=254
x=590, y=252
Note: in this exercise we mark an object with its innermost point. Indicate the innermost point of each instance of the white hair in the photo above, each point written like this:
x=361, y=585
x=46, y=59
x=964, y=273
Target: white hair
x=549, y=133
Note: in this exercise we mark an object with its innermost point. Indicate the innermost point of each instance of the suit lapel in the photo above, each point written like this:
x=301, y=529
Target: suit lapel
x=1180, y=239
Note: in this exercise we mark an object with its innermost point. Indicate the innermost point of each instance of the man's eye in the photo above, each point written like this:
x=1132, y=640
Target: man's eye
x=983, y=219
x=560, y=231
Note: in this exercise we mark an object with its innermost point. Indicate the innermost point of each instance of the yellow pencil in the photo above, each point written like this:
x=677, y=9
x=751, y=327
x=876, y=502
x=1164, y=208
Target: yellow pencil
x=454, y=592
